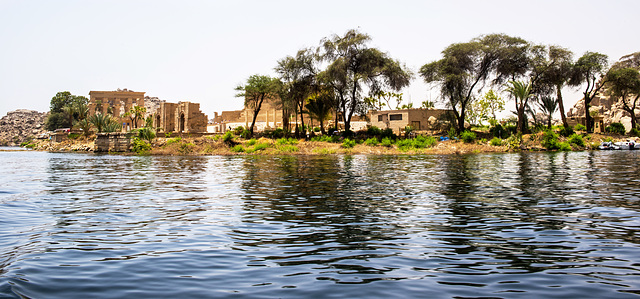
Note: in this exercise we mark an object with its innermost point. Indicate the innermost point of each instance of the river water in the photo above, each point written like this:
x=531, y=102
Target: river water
x=517, y=225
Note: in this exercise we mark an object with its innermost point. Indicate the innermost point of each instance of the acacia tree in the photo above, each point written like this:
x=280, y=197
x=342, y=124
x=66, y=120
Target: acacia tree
x=590, y=69
x=465, y=68
x=354, y=66
x=258, y=88
x=624, y=83
x=558, y=74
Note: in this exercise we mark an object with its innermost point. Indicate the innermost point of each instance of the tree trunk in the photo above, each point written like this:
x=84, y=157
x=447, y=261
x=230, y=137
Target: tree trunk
x=256, y=110
x=560, y=107
x=304, y=130
x=587, y=102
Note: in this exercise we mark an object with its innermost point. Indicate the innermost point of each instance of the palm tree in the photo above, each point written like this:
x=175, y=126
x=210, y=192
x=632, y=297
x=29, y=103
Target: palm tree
x=85, y=125
x=69, y=110
x=319, y=108
x=521, y=92
x=102, y=122
x=549, y=106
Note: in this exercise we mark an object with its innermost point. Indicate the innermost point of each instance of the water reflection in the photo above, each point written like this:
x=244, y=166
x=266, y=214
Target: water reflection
x=536, y=224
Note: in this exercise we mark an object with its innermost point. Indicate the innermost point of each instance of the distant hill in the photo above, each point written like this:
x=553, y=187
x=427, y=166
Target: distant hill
x=21, y=125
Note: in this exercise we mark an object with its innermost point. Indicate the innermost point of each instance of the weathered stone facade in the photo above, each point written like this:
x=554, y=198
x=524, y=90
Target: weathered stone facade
x=419, y=119
x=180, y=117
x=608, y=111
x=112, y=142
x=116, y=103
x=167, y=117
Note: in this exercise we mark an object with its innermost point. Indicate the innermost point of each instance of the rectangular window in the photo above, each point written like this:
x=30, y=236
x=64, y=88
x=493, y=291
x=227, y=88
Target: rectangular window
x=380, y=117
x=395, y=116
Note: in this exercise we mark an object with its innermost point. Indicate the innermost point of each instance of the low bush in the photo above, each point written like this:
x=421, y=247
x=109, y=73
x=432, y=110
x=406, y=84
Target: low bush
x=140, y=146
x=566, y=132
x=287, y=148
x=579, y=127
x=73, y=135
x=616, y=128
x=374, y=131
x=174, y=140
x=577, y=140
x=237, y=149
x=468, y=136
x=285, y=141
x=496, y=141
x=146, y=134
x=348, y=143
x=386, y=141
x=564, y=146
x=634, y=132
x=251, y=142
x=373, y=141
x=227, y=137
x=550, y=140
x=238, y=130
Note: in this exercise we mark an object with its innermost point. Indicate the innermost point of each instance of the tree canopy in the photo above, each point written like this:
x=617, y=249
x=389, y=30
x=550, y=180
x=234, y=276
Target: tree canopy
x=64, y=108
x=254, y=92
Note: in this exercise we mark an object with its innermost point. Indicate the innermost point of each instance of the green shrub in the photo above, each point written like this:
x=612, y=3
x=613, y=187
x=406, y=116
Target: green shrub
x=424, y=142
x=73, y=136
x=287, y=148
x=404, y=144
x=496, y=141
x=579, y=127
x=285, y=141
x=452, y=133
x=388, y=133
x=616, y=128
x=634, y=132
x=373, y=141
x=386, y=142
x=237, y=149
x=227, y=137
x=186, y=148
x=140, y=146
x=514, y=141
x=576, y=140
x=468, y=136
x=564, y=146
x=499, y=132
x=348, y=143
x=550, y=140
x=251, y=142
x=246, y=134
x=316, y=129
x=146, y=134
x=167, y=134
x=174, y=140
x=374, y=131
x=566, y=132
x=261, y=146
x=238, y=130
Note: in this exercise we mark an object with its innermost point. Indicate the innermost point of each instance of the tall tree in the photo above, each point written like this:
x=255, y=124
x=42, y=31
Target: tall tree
x=135, y=113
x=354, y=66
x=465, y=68
x=298, y=75
x=57, y=117
x=319, y=106
x=257, y=89
x=558, y=75
x=625, y=85
x=590, y=70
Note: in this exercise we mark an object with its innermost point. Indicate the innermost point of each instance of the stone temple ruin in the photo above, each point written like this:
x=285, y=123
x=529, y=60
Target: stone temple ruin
x=167, y=117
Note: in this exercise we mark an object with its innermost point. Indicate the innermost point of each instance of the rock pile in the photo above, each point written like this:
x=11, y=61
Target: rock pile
x=610, y=109
x=21, y=125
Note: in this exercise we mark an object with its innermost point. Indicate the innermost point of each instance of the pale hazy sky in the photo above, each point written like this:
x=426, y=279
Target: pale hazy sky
x=200, y=50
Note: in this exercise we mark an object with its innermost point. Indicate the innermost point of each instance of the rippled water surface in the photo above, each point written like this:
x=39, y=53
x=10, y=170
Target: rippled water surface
x=523, y=225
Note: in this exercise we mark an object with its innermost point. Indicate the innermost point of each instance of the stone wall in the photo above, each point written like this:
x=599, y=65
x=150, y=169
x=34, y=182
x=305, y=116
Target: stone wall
x=112, y=142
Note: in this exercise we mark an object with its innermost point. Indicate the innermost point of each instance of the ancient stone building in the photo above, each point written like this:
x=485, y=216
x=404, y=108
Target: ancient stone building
x=116, y=103
x=180, y=117
x=418, y=118
x=167, y=117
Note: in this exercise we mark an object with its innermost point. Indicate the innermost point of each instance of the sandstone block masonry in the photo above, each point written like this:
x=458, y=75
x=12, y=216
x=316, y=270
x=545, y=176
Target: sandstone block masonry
x=112, y=142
